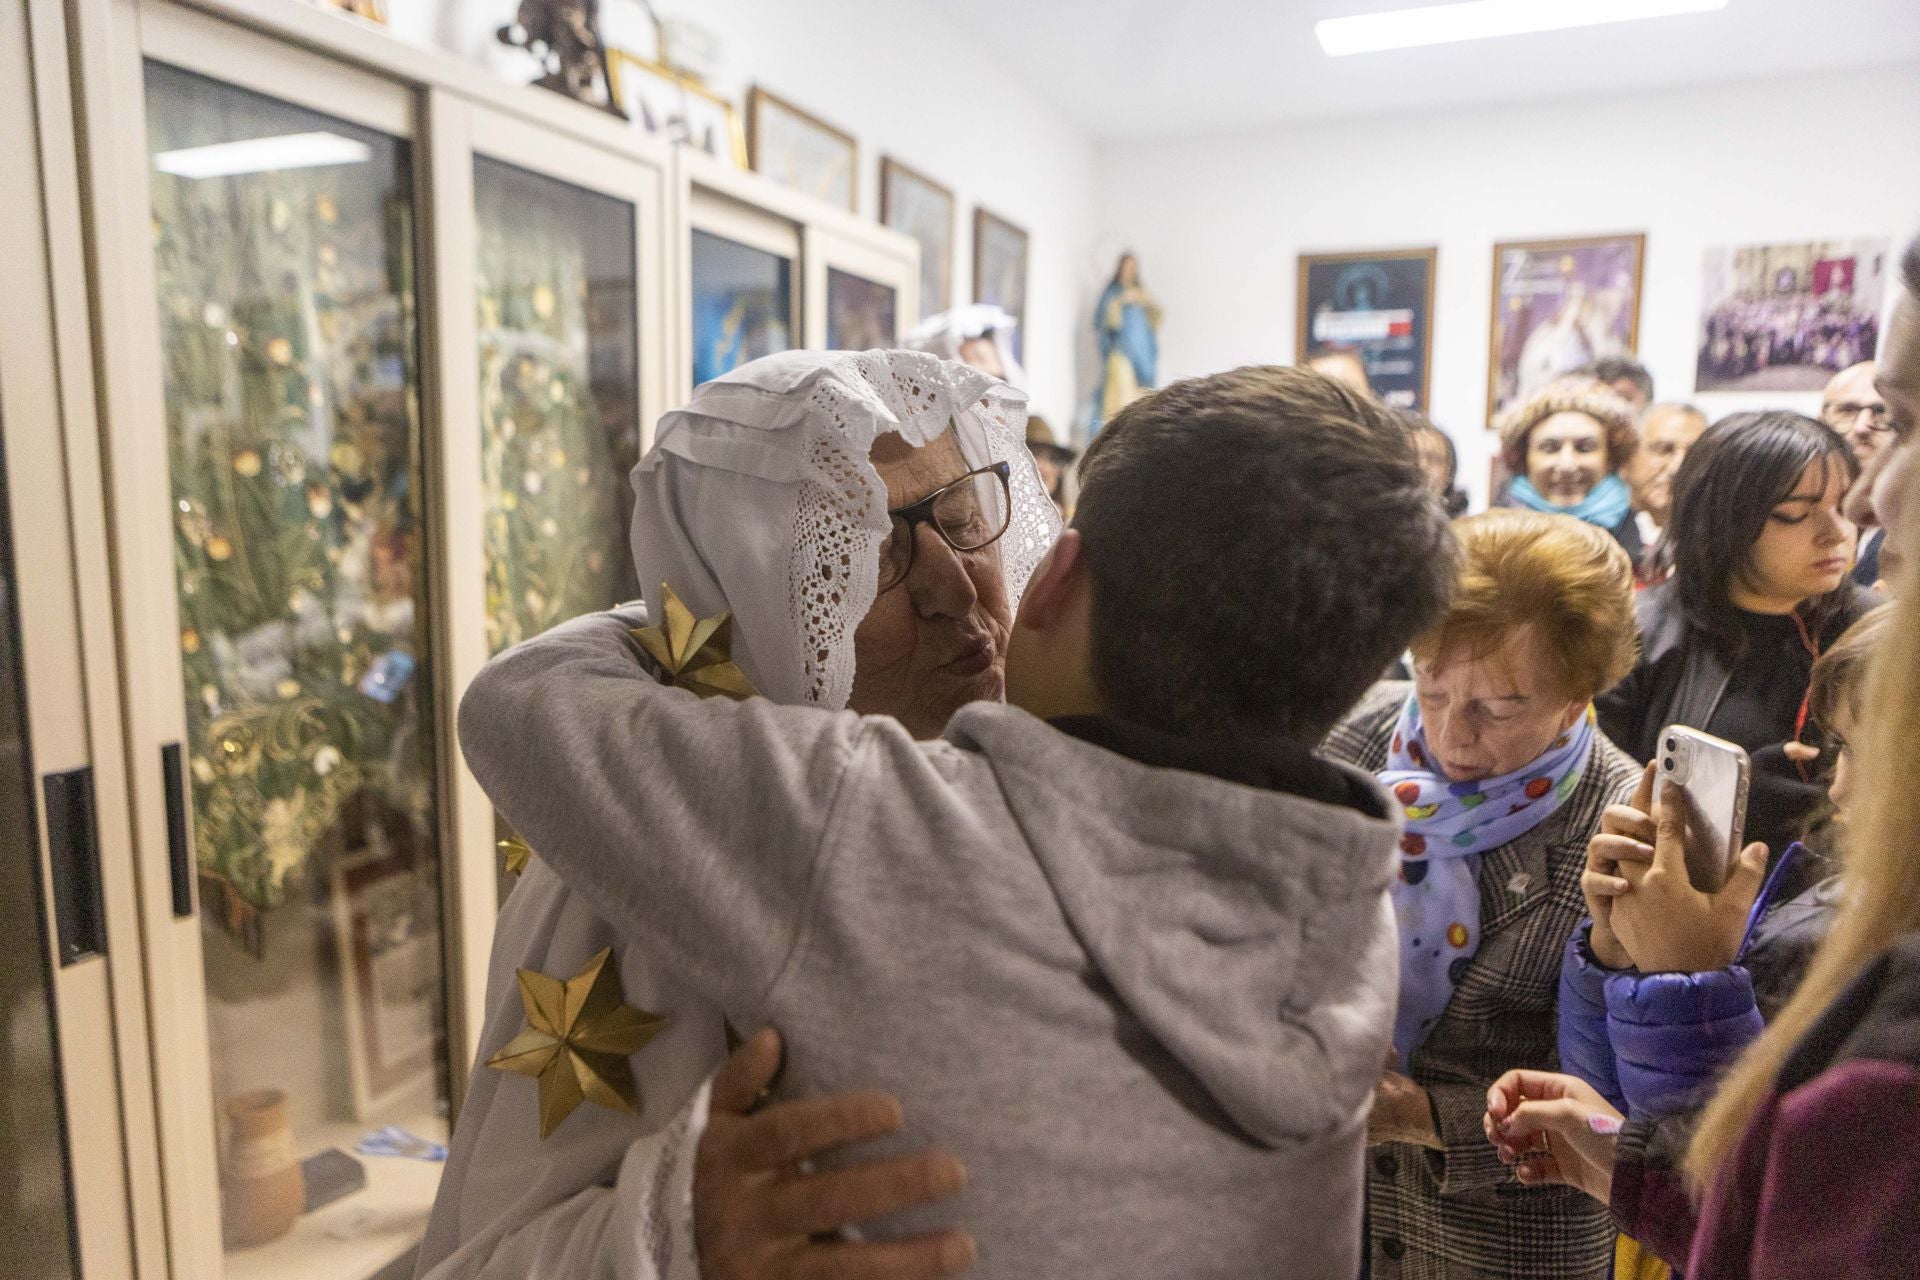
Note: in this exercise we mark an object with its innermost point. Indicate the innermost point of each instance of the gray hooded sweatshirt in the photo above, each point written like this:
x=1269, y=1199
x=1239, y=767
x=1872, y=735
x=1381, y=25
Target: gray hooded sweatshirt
x=1146, y=1007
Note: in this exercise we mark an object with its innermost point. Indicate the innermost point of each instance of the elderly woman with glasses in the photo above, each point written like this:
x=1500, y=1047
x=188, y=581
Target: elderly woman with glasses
x=867, y=523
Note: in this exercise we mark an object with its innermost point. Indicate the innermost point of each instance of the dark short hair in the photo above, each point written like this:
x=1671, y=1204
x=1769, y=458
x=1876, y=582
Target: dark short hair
x=1910, y=266
x=1734, y=476
x=1262, y=545
x=1454, y=501
x=1611, y=369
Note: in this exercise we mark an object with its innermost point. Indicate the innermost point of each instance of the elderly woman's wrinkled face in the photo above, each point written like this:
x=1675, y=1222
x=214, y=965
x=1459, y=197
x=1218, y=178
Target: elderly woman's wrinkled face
x=1566, y=457
x=938, y=640
x=1490, y=714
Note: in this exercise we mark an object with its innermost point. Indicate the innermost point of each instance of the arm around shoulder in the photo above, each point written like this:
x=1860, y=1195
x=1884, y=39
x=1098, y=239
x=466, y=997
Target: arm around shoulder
x=694, y=825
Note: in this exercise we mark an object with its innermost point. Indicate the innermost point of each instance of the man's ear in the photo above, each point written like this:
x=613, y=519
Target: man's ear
x=1051, y=588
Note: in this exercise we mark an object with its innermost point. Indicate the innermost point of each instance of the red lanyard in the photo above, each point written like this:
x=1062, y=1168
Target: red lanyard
x=1806, y=699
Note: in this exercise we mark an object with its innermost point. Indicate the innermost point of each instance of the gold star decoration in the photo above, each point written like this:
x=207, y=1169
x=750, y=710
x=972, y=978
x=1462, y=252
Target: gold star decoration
x=694, y=654
x=517, y=852
x=578, y=1037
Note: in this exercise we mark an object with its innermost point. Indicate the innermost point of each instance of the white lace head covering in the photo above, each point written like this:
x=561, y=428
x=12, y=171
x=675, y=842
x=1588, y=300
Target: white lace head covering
x=942, y=335
x=759, y=498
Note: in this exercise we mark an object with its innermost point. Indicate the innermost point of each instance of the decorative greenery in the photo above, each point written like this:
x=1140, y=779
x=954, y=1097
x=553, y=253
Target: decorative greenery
x=559, y=422
x=288, y=332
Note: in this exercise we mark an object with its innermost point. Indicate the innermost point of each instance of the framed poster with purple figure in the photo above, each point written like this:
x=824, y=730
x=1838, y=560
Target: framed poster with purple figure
x=1377, y=305
x=1558, y=305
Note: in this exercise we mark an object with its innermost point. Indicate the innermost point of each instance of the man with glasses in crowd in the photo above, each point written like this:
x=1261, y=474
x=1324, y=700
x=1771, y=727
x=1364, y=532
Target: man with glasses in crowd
x=1854, y=410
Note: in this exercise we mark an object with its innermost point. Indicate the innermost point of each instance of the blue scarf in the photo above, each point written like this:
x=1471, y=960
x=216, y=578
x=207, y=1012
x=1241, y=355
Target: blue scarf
x=1449, y=825
x=1606, y=504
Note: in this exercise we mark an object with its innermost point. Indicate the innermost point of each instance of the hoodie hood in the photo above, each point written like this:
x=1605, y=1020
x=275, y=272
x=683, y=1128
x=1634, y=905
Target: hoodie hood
x=1249, y=929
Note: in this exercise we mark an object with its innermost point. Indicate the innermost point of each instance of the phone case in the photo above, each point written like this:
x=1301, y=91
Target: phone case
x=1713, y=775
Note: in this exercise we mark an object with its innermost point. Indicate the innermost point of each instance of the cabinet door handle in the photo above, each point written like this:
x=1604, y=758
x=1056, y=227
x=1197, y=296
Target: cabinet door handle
x=179, y=853
x=73, y=847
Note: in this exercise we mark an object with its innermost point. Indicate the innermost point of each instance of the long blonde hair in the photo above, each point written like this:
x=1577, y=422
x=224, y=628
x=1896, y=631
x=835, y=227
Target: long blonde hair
x=1882, y=895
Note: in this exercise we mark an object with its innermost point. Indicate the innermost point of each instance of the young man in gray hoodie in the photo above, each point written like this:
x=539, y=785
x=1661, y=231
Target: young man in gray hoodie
x=1122, y=945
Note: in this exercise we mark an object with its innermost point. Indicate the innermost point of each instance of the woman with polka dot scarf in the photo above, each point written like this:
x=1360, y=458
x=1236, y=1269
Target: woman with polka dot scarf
x=1501, y=774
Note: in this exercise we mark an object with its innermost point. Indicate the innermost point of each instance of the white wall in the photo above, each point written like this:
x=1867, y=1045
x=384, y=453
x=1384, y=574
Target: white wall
x=1218, y=221
x=905, y=83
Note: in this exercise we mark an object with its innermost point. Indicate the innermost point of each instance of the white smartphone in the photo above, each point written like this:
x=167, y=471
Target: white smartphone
x=1712, y=775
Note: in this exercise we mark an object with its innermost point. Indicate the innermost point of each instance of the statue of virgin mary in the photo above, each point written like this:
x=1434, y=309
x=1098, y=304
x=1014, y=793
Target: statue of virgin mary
x=1126, y=323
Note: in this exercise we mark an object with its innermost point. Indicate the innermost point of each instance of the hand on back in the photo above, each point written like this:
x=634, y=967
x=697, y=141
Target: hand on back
x=759, y=1214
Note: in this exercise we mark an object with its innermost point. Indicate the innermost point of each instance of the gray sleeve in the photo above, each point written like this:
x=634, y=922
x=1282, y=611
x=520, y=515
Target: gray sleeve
x=693, y=826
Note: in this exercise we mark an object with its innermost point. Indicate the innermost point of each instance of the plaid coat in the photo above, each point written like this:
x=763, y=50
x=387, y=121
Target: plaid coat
x=1458, y=1214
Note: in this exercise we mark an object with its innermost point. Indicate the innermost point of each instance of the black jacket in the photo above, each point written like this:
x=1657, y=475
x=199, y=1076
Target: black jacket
x=1681, y=678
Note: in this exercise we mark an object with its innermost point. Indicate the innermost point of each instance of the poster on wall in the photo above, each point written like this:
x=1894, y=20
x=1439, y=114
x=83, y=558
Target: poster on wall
x=1558, y=305
x=913, y=203
x=1379, y=306
x=1000, y=270
x=801, y=150
x=1787, y=317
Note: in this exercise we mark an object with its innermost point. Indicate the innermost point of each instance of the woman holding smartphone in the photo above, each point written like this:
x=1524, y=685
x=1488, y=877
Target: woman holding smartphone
x=1760, y=556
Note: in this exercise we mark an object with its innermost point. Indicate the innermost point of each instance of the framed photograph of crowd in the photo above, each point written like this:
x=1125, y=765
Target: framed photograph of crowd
x=1000, y=270
x=1558, y=305
x=1378, y=305
x=801, y=150
x=912, y=203
x=1787, y=317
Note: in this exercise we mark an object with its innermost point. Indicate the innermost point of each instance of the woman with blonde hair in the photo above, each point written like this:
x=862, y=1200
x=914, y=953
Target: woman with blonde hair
x=1502, y=774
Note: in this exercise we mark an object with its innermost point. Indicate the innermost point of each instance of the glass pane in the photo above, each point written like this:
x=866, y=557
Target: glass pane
x=742, y=305
x=859, y=312
x=284, y=244
x=559, y=398
x=36, y=1195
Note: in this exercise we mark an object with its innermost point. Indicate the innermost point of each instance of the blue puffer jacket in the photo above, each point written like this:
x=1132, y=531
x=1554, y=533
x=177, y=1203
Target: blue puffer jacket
x=1654, y=1043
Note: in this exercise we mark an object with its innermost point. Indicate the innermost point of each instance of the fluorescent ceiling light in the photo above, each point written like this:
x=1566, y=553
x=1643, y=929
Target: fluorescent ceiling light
x=1483, y=19
x=263, y=155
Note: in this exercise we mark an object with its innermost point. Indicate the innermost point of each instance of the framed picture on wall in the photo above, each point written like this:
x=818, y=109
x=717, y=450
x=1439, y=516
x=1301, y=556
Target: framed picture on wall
x=660, y=100
x=801, y=150
x=1000, y=270
x=1558, y=305
x=915, y=204
x=1787, y=317
x=1377, y=305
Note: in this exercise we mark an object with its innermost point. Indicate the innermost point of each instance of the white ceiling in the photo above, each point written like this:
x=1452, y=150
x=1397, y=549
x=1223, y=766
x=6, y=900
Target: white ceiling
x=1154, y=68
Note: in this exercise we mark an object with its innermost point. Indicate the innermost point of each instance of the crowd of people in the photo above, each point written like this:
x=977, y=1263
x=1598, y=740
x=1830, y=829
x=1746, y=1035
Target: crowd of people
x=1102, y=911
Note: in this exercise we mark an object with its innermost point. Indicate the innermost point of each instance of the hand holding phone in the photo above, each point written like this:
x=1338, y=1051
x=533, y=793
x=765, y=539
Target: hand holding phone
x=1712, y=776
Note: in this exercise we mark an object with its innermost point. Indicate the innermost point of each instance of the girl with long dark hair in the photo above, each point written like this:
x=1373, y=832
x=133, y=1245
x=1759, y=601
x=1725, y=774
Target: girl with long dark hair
x=1760, y=555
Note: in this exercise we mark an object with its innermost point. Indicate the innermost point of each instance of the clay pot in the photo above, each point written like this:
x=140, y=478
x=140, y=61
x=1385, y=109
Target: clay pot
x=262, y=1193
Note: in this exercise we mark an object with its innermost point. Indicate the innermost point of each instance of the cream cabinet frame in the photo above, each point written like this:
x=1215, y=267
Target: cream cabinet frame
x=448, y=113
x=461, y=130
x=68, y=654
x=101, y=597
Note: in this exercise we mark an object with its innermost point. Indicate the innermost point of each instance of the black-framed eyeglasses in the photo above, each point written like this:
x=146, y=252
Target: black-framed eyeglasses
x=968, y=514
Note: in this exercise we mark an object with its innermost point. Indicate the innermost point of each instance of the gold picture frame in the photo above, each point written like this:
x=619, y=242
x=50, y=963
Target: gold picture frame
x=658, y=99
x=912, y=203
x=1000, y=261
x=798, y=149
x=1580, y=260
